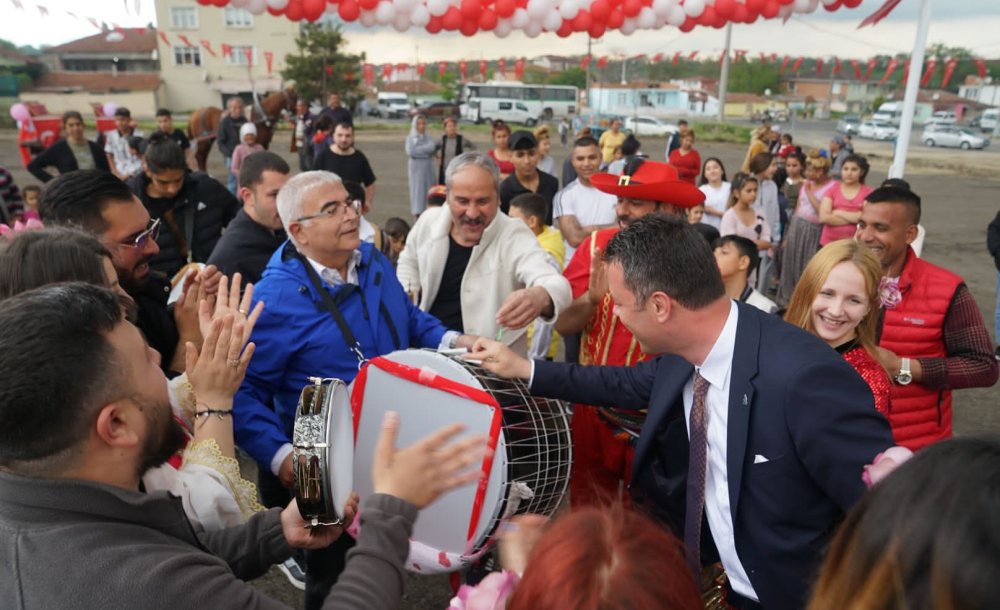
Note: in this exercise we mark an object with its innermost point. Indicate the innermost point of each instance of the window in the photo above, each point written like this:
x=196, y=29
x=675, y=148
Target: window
x=237, y=18
x=184, y=17
x=187, y=56
x=239, y=55
x=505, y=105
x=521, y=107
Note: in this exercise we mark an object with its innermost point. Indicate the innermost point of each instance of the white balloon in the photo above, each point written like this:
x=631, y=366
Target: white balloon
x=384, y=13
x=537, y=9
x=420, y=17
x=786, y=11
x=694, y=8
x=813, y=5
x=367, y=18
x=238, y=3
x=533, y=29
x=437, y=7
x=676, y=16
x=628, y=26
x=800, y=6
x=502, y=29
x=401, y=22
x=662, y=7
x=278, y=5
x=646, y=18
x=828, y=2
x=660, y=22
x=404, y=6
x=519, y=19
x=568, y=9
x=552, y=21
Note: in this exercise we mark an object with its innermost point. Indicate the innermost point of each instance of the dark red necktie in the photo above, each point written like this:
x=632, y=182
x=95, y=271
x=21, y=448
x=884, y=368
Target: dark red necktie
x=697, y=459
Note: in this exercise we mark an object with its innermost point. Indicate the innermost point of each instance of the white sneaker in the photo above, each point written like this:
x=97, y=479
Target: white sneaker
x=294, y=573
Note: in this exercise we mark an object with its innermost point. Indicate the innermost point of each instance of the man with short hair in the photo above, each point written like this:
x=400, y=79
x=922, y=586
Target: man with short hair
x=228, y=136
x=302, y=134
x=343, y=159
x=332, y=302
x=123, y=161
x=838, y=154
x=527, y=178
x=579, y=208
x=476, y=269
x=255, y=232
x=757, y=434
x=610, y=140
x=675, y=138
x=103, y=205
x=165, y=124
x=335, y=111
x=737, y=258
x=604, y=437
x=933, y=339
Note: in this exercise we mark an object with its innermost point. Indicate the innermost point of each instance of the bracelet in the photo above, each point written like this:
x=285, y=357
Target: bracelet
x=220, y=413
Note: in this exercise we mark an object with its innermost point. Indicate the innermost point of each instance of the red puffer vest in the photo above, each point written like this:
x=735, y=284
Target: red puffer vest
x=919, y=416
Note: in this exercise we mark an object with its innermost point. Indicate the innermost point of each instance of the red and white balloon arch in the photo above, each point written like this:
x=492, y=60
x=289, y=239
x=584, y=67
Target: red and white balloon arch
x=533, y=17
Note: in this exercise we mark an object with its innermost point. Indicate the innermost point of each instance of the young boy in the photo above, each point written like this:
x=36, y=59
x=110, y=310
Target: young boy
x=248, y=145
x=530, y=208
x=165, y=123
x=737, y=258
x=526, y=177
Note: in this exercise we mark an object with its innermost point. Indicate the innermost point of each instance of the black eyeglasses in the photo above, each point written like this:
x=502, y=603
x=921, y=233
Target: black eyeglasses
x=140, y=241
x=336, y=209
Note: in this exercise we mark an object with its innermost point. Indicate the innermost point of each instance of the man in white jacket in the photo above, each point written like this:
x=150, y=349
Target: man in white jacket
x=476, y=269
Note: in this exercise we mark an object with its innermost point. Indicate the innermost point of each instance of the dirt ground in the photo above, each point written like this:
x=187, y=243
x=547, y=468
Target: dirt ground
x=961, y=195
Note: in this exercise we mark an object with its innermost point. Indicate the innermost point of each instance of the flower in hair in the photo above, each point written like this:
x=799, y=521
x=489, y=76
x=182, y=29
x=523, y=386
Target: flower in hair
x=888, y=291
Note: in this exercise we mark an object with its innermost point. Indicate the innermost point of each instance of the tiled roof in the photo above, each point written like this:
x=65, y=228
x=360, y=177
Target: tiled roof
x=123, y=40
x=98, y=81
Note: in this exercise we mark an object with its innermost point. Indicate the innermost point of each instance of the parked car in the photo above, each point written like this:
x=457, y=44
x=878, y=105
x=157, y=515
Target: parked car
x=435, y=109
x=849, y=124
x=943, y=117
x=954, y=137
x=648, y=126
x=877, y=131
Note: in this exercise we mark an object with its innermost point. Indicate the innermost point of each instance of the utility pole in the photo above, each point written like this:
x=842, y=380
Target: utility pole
x=590, y=59
x=912, y=88
x=724, y=76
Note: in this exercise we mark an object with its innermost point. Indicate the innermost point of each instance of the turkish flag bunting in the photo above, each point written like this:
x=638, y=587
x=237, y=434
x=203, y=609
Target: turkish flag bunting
x=980, y=67
x=421, y=68
x=763, y=57
x=463, y=69
x=483, y=66
x=893, y=63
x=328, y=70
x=519, y=69
x=658, y=57
x=602, y=61
x=926, y=78
x=207, y=46
x=401, y=67
x=163, y=37
x=269, y=60
x=386, y=71
x=248, y=51
x=692, y=55
x=871, y=67
x=677, y=58
x=836, y=66
x=880, y=14
x=784, y=64
x=949, y=69
x=502, y=64
x=857, y=69
x=797, y=64
x=368, y=71
x=185, y=40
x=906, y=71
x=227, y=50
x=819, y=65
x=585, y=62
x=442, y=67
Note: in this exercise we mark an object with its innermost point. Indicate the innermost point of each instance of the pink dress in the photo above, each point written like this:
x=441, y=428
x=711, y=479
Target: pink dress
x=833, y=233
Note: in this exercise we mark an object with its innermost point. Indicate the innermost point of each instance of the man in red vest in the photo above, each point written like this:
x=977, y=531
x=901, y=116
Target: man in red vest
x=933, y=339
x=604, y=437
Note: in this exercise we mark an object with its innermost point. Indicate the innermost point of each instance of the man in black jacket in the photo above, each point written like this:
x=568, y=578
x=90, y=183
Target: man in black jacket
x=993, y=245
x=256, y=231
x=228, y=136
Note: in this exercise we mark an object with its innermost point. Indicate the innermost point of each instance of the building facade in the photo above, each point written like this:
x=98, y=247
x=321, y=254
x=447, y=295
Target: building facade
x=665, y=101
x=208, y=54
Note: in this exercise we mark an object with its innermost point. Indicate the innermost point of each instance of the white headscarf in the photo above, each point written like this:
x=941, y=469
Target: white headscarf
x=416, y=135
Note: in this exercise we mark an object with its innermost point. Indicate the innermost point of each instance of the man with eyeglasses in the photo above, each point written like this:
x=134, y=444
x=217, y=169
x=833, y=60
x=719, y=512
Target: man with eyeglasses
x=104, y=206
x=333, y=301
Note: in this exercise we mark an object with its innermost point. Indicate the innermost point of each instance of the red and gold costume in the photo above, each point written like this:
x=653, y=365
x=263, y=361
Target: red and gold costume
x=603, y=437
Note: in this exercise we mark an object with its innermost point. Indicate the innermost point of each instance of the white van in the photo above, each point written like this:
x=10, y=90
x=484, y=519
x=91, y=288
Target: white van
x=393, y=105
x=988, y=120
x=491, y=109
x=889, y=112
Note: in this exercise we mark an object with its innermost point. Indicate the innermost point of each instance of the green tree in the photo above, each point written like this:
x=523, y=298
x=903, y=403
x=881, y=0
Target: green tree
x=576, y=77
x=753, y=77
x=449, y=86
x=321, y=67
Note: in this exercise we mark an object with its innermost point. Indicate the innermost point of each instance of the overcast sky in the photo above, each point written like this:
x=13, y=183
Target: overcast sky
x=969, y=23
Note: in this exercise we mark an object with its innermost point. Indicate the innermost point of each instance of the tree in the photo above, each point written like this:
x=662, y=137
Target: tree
x=321, y=67
x=753, y=77
x=570, y=76
x=449, y=86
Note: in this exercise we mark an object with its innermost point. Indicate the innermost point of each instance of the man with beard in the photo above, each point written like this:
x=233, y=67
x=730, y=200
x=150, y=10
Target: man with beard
x=228, y=136
x=349, y=163
x=85, y=412
x=255, y=232
x=102, y=205
x=603, y=437
x=476, y=269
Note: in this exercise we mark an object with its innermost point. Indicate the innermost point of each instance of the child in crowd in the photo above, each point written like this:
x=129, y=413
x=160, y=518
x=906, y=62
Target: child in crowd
x=545, y=161
x=737, y=258
x=437, y=195
x=396, y=229
x=526, y=178
x=741, y=218
x=530, y=208
x=165, y=124
x=368, y=231
x=247, y=146
x=322, y=135
x=696, y=213
x=787, y=147
x=31, y=195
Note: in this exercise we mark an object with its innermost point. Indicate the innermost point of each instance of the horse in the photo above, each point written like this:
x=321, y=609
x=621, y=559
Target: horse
x=203, y=124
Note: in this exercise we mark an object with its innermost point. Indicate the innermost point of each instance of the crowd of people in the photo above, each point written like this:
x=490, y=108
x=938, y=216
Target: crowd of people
x=751, y=360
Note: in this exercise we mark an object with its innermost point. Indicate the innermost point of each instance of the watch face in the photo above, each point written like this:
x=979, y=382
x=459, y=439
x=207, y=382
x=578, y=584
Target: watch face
x=904, y=378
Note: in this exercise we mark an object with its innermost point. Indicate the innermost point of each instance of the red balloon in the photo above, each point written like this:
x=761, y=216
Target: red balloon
x=832, y=7
x=851, y=3
x=708, y=16
x=348, y=10
x=204, y=2
x=771, y=9
x=434, y=25
x=274, y=12
x=631, y=8
x=469, y=27
x=687, y=26
x=597, y=29
x=787, y=2
x=487, y=20
x=294, y=10
x=368, y=5
x=452, y=20
x=600, y=10
x=582, y=21
x=313, y=9
x=725, y=8
x=470, y=9
x=506, y=8
x=741, y=14
x=565, y=29
x=615, y=19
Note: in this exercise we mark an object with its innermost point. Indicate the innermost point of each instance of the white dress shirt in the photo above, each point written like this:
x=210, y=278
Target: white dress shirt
x=717, y=370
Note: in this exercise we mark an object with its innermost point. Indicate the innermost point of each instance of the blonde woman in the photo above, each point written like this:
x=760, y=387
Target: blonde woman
x=837, y=300
x=545, y=161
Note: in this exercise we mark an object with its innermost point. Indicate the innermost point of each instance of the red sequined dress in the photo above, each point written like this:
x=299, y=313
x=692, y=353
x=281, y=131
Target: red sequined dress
x=871, y=371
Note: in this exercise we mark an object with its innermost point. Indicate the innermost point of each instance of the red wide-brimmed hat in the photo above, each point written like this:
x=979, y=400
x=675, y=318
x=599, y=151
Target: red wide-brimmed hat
x=650, y=181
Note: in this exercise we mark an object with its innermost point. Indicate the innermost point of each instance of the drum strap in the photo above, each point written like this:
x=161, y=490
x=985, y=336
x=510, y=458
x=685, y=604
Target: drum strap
x=331, y=306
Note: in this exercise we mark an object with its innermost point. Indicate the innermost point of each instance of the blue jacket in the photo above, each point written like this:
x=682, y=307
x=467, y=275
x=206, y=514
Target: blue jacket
x=297, y=338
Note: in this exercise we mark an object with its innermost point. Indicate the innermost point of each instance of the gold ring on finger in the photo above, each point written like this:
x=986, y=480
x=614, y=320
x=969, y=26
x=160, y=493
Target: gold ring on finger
x=243, y=311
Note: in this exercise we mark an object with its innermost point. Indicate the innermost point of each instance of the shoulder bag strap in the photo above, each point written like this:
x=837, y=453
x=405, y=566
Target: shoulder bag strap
x=331, y=306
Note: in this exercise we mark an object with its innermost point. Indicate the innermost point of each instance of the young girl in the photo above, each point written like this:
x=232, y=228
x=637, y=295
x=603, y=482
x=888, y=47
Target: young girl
x=501, y=152
x=716, y=189
x=741, y=219
x=696, y=214
x=840, y=209
x=794, y=164
x=248, y=145
x=545, y=161
x=837, y=300
x=686, y=159
x=802, y=237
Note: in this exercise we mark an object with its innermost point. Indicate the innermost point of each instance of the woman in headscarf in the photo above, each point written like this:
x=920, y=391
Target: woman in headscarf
x=420, y=148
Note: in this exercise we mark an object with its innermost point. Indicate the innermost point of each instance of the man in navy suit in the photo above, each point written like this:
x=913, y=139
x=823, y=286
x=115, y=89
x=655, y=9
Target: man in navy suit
x=781, y=426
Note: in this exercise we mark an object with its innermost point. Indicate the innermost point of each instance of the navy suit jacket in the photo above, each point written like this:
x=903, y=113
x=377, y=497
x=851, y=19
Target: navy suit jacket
x=793, y=401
